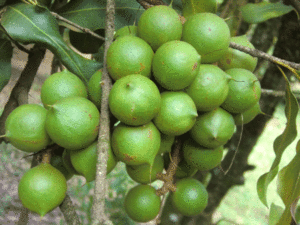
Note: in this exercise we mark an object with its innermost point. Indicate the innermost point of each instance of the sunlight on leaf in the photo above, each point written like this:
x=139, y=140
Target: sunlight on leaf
x=288, y=179
x=285, y=218
x=32, y=24
x=191, y=7
x=275, y=214
x=260, y=12
x=288, y=186
x=6, y=51
x=281, y=142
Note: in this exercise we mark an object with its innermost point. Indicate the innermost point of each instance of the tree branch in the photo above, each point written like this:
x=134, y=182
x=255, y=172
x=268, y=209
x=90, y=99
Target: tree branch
x=168, y=177
x=144, y=4
x=69, y=212
x=258, y=53
x=155, y=2
x=86, y=30
x=98, y=209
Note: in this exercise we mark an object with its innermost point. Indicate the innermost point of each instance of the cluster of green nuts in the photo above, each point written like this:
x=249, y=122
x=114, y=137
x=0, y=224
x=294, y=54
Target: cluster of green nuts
x=177, y=80
x=69, y=118
x=171, y=79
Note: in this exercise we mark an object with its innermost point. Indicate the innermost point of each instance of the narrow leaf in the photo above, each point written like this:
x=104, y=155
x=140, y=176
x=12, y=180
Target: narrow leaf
x=191, y=7
x=288, y=181
x=93, y=12
x=5, y=62
x=288, y=186
x=275, y=214
x=281, y=142
x=260, y=12
x=285, y=218
x=33, y=24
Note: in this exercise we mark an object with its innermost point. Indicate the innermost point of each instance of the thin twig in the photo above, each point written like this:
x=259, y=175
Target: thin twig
x=98, y=208
x=163, y=203
x=273, y=92
x=260, y=54
x=224, y=13
x=86, y=30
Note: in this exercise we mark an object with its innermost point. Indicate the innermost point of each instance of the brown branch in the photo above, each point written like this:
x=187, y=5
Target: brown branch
x=98, y=208
x=279, y=93
x=224, y=12
x=155, y=2
x=273, y=92
x=145, y=4
x=86, y=30
x=69, y=212
x=260, y=54
x=168, y=177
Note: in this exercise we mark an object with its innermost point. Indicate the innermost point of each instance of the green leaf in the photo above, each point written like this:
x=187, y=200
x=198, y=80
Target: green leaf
x=281, y=142
x=285, y=218
x=260, y=12
x=6, y=51
x=191, y=7
x=275, y=214
x=288, y=186
x=288, y=181
x=33, y=24
x=93, y=12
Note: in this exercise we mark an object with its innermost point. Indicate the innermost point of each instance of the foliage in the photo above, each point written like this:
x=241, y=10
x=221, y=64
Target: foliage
x=257, y=13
